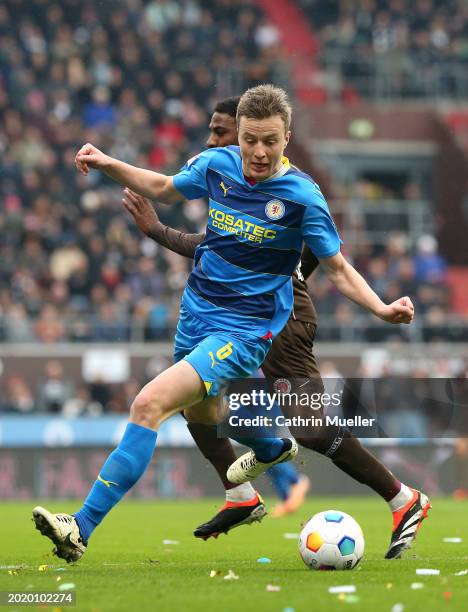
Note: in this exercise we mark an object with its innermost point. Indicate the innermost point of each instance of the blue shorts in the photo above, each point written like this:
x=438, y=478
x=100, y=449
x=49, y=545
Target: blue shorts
x=217, y=355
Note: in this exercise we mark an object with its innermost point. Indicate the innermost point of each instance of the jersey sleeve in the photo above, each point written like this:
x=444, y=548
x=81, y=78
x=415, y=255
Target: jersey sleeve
x=191, y=180
x=318, y=228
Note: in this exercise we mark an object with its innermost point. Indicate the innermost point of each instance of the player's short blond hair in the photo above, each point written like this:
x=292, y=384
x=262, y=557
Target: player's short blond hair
x=265, y=101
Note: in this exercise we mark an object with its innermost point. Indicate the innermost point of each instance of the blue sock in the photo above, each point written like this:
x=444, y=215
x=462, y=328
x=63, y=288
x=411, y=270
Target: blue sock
x=266, y=449
x=120, y=472
x=282, y=476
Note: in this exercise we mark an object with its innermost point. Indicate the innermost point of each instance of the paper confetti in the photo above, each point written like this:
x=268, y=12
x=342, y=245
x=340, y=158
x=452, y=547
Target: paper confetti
x=350, y=599
x=43, y=568
x=60, y=569
x=345, y=588
x=448, y=595
x=231, y=576
x=13, y=572
x=462, y=573
x=264, y=560
x=427, y=572
x=59, y=578
x=214, y=573
x=170, y=542
x=452, y=540
x=67, y=586
x=290, y=536
x=389, y=585
x=289, y=609
x=273, y=588
x=398, y=607
x=417, y=585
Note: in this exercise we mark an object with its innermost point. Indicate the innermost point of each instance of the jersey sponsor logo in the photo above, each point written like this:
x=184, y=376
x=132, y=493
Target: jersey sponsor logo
x=224, y=188
x=232, y=224
x=108, y=483
x=274, y=209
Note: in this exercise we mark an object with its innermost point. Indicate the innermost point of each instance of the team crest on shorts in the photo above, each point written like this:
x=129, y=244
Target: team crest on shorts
x=282, y=385
x=274, y=209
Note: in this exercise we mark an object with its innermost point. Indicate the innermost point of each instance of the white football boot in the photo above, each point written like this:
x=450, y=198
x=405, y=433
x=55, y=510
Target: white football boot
x=63, y=530
x=248, y=467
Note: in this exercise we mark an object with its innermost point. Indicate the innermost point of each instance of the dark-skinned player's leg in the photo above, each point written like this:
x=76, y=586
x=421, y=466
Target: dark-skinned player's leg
x=243, y=504
x=291, y=357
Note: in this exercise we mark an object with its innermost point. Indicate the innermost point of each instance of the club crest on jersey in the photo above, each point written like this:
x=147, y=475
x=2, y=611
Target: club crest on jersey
x=274, y=209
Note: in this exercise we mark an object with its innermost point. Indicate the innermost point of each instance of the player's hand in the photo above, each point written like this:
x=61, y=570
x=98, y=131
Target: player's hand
x=141, y=210
x=400, y=311
x=90, y=157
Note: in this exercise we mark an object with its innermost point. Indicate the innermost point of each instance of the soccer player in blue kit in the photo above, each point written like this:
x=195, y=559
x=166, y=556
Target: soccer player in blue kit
x=238, y=296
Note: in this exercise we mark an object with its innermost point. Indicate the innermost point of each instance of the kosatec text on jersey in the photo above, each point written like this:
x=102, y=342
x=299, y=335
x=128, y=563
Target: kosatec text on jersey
x=236, y=225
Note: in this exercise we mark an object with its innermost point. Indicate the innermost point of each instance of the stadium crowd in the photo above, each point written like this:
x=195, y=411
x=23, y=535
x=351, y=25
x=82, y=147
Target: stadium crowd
x=394, y=48
x=73, y=267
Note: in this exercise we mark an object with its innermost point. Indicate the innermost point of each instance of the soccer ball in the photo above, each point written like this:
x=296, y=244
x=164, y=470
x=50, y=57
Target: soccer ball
x=331, y=540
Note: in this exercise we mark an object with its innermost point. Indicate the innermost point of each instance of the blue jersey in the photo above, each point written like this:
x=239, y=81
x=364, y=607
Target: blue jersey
x=242, y=273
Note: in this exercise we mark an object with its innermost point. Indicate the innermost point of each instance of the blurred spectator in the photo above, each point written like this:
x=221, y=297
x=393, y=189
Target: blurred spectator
x=393, y=48
x=430, y=267
x=53, y=391
x=80, y=404
x=18, y=396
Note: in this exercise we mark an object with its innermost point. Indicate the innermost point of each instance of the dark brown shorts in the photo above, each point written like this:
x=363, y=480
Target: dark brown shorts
x=291, y=354
x=292, y=357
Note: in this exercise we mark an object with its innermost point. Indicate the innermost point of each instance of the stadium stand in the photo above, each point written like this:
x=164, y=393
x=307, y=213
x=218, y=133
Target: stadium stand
x=72, y=265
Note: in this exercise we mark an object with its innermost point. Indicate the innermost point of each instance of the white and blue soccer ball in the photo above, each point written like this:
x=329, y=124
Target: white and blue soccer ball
x=331, y=540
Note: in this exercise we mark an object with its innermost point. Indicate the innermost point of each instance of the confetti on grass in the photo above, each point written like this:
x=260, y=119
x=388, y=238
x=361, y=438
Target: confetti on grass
x=351, y=599
x=43, y=568
x=345, y=588
x=290, y=536
x=452, y=540
x=170, y=542
x=67, y=586
x=417, y=585
x=427, y=572
x=264, y=560
x=214, y=573
x=231, y=576
x=461, y=573
x=273, y=588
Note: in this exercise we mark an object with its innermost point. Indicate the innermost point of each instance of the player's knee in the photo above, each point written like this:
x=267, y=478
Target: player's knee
x=147, y=409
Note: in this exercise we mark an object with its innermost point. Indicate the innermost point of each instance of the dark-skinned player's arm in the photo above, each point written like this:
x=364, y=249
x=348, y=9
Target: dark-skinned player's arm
x=148, y=221
x=309, y=262
x=145, y=182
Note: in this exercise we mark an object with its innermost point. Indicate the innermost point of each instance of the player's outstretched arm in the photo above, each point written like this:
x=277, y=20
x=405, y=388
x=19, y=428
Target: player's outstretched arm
x=148, y=221
x=351, y=284
x=145, y=182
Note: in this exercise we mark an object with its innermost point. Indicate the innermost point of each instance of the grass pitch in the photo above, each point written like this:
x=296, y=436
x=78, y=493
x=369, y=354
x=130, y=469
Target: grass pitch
x=129, y=567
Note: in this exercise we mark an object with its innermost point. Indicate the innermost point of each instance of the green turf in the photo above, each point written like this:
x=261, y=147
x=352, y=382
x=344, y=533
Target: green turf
x=127, y=566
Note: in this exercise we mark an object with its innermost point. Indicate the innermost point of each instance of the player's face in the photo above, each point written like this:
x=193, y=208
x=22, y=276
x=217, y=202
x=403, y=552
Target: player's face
x=223, y=131
x=262, y=143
